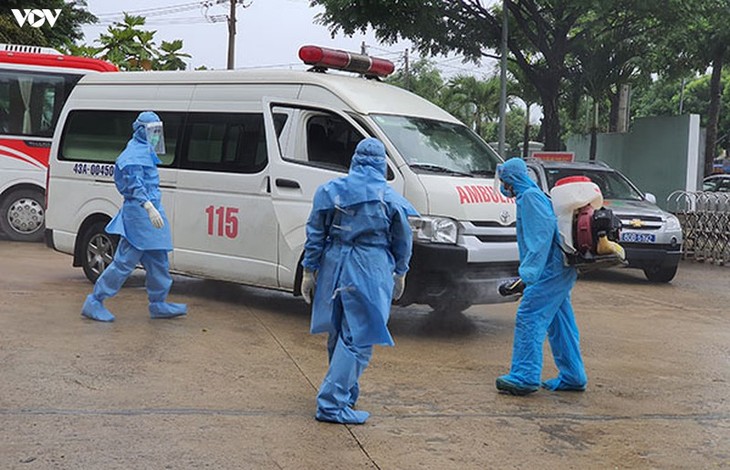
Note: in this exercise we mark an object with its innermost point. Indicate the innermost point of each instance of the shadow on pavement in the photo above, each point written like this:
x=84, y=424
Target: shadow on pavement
x=230, y=292
x=616, y=276
x=422, y=321
x=408, y=321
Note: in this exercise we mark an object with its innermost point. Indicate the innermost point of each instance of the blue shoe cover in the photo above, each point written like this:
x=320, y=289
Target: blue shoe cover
x=95, y=310
x=167, y=310
x=344, y=416
x=506, y=385
x=557, y=385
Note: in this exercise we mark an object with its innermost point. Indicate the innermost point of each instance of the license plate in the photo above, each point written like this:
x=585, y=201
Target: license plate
x=633, y=237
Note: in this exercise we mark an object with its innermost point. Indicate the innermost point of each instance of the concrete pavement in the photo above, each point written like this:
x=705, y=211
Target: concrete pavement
x=233, y=384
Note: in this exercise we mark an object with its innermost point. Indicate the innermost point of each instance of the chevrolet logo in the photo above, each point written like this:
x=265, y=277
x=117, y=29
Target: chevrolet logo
x=636, y=223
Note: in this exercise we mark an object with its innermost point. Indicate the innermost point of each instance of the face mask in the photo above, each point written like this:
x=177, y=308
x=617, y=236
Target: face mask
x=154, y=139
x=506, y=192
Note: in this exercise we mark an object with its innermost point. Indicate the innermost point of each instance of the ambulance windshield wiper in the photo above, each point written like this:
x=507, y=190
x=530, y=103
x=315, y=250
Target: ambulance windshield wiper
x=438, y=169
x=482, y=172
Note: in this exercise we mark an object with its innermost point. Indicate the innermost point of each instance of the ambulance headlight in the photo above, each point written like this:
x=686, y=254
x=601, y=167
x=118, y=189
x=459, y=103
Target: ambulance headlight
x=434, y=229
x=673, y=224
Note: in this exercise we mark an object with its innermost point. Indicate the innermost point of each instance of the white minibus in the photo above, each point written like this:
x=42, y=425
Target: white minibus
x=246, y=151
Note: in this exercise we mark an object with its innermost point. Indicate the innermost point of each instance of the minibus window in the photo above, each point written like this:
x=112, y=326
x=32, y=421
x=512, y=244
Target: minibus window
x=30, y=102
x=100, y=136
x=226, y=142
x=437, y=146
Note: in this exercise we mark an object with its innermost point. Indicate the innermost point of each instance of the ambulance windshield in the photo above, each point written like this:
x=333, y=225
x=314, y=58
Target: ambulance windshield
x=431, y=146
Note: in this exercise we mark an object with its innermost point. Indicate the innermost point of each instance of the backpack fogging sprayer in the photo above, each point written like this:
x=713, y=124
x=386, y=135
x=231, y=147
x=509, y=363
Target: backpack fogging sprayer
x=589, y=232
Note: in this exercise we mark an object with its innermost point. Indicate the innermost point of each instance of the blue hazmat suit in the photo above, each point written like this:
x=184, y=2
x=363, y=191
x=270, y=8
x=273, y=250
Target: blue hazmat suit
x=137, y=180
x=358, y=238
x=545, y=307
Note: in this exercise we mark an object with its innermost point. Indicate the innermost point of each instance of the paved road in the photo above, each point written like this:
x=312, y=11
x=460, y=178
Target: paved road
x=233, y=384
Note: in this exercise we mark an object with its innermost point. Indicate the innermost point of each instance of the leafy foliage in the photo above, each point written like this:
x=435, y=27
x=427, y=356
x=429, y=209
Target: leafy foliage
x=130, y=47
x=66, y=30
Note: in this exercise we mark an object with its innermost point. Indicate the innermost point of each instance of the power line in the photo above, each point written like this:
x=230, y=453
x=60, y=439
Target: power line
x=159, y=22
x=154, y=11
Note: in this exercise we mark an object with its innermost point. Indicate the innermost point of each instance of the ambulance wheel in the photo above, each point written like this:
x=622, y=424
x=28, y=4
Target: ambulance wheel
x=98, y=249
x=657, y=274
x=22, y=215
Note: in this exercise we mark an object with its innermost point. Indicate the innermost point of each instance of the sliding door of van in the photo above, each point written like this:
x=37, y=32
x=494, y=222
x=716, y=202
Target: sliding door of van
x=308, y=145
x=224, y=226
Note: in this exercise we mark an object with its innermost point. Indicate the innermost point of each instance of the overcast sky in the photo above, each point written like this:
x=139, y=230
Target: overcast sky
x=269, y=33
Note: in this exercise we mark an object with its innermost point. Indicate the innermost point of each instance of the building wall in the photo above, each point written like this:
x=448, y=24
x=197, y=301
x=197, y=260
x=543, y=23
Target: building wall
x=659, y=155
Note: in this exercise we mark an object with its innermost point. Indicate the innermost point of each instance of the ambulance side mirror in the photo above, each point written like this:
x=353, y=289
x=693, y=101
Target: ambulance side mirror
x=650, y=197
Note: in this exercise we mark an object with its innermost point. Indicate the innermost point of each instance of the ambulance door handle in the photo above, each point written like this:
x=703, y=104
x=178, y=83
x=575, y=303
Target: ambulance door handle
x=285, y=183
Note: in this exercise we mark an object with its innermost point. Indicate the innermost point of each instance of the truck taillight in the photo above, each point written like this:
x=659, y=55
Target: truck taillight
x=348, y=61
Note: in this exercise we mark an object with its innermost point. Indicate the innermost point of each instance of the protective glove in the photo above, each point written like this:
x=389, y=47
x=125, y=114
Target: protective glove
x=308, y=278
x=399, y=285
x=155, y=216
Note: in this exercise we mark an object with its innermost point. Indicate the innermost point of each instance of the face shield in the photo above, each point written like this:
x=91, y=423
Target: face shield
x=155, y=136
x=497, y=179
x=499, y=185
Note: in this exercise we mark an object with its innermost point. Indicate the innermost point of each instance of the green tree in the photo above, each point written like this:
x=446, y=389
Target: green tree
x=66, y=30
x=170, y=56
x=130, y=47
x=545, y=36
x=662, y=97
x=127, y=45
x=521, y=88
x=422, y=78
x=478, y=98
x=701, y=40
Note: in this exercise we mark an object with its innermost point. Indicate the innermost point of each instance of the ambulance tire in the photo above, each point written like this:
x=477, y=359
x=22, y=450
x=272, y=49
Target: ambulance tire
x=22, y=215
x=657, y=274
x=97, y=249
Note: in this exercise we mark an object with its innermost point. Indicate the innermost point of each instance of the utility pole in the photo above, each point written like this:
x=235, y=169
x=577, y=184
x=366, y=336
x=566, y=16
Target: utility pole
x=363, y=48
x=232, y=35
x=503, y=88
x=681, y=96
x=407, y=72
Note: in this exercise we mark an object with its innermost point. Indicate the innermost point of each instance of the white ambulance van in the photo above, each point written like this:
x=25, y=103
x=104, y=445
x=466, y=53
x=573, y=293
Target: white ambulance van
x=246, y=150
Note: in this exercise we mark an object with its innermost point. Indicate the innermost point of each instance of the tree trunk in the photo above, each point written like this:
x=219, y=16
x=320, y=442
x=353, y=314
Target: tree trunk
x=551, y=121
x=526, y=133
x=613, y=112
x=713, y=114
x=594, y=132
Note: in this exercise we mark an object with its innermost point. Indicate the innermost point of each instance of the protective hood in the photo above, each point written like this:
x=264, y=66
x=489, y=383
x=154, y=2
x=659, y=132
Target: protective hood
x=366, y=180
x=139, y=151
x=514, y=172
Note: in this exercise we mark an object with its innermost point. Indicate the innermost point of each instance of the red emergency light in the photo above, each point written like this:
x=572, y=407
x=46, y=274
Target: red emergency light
x=322, y=57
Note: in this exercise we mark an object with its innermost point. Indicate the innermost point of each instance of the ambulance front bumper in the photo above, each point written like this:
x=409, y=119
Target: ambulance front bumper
x=441, y=276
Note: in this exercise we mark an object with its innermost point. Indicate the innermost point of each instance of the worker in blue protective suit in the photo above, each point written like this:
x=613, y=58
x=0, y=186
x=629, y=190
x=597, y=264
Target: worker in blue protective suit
x=356, y=257
x=545, y=307
x=144, y=233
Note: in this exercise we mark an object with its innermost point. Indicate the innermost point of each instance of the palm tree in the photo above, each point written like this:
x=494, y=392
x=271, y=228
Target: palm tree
x=483, y=94
x=523, y=89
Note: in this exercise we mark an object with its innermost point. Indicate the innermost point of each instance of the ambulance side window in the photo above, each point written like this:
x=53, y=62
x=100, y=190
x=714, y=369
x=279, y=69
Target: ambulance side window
x=101, y=135
x=331, y=141
x=225, y=142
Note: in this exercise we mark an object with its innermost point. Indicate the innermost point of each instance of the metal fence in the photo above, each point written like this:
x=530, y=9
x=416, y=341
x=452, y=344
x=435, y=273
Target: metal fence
x=705, y=219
